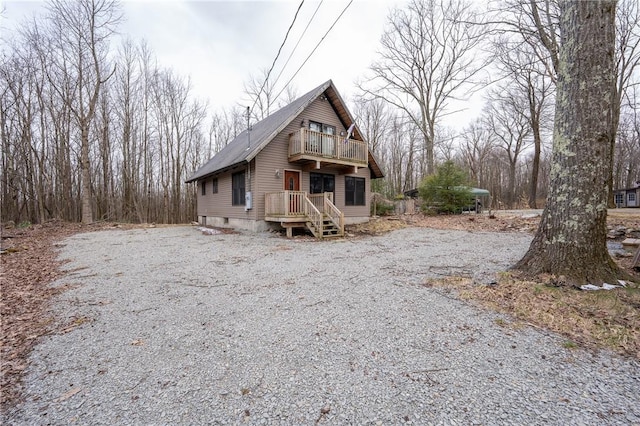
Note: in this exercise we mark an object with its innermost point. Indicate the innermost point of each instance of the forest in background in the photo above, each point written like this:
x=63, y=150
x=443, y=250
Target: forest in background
x=90, y=124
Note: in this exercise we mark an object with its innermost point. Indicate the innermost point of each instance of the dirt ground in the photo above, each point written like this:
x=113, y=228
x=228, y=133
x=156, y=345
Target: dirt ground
x=29, y=263
x=469, y=222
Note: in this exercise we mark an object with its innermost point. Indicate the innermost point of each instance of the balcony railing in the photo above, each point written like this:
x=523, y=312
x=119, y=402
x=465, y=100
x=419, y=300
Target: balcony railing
x=312, y=145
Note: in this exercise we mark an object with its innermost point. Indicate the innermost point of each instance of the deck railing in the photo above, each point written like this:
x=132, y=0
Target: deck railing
x=285, y=203
x=318, y=200
x=305, y=207
x=323, y=145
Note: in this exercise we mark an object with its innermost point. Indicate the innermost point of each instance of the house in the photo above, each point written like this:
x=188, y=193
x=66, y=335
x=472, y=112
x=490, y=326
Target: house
x=628, y=197
x=299, y=167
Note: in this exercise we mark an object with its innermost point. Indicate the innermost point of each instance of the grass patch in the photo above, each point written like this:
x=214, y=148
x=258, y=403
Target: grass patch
x=594, y=319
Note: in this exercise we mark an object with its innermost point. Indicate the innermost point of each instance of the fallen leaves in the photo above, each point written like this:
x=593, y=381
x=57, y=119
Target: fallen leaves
x=68, y=395
x=465, y=222
x=25, y=276
x=29, y=265
x=73, y=324
x=592, y=319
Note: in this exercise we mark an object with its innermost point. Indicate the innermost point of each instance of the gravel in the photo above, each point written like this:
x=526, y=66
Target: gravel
x=170, y=326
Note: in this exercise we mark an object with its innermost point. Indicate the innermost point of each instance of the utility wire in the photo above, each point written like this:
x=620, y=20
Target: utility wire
x=276, y=58
x=296, y=46
x=314, y=49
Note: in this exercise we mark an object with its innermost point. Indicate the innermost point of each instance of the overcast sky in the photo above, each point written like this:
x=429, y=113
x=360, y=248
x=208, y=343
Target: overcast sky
x=220, y=43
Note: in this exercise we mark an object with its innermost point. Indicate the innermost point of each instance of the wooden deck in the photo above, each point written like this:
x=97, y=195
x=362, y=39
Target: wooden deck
x=308, y=145
x=315, y=212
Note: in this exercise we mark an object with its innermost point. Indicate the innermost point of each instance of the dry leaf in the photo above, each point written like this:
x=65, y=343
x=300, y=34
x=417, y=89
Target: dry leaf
x=68, y=395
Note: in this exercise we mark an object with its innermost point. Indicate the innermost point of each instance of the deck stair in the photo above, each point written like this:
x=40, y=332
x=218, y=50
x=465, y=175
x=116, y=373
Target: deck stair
x=316, y=212
x=328, y=228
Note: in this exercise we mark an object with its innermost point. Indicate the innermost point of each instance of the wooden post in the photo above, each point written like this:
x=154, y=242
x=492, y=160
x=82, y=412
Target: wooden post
x=636, y=260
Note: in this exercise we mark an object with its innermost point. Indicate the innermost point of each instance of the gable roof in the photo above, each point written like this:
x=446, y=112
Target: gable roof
x=241, y=150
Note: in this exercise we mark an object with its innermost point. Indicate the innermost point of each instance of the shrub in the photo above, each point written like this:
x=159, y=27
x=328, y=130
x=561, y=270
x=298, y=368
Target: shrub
x=383, y=209
x=446, y=191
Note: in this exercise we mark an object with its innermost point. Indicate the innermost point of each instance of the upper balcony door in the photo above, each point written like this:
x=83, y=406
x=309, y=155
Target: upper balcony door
x=323, y=142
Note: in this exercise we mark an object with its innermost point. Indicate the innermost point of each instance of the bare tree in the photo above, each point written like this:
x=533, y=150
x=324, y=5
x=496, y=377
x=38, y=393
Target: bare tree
x=445, y=144
x=289, y=95
x=510, y=128
x=375, y=121
x=225, y=125
x=260, y=92
x=475, y=148
x=399, y=147
x=373, y=118
x=627, y=65
x=63, y=104
x=537, y=22
x=429, y=57
x=80, y=35
x=571, y=238
x=627, y=152
x=527, y=77
x=177, y=121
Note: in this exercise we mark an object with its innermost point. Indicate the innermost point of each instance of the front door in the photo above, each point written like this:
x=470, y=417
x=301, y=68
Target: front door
x=291, y=180
x=292, y=183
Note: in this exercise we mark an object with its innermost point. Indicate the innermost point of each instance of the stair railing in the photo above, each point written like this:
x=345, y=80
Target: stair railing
x=336, y=216
x=314, y=216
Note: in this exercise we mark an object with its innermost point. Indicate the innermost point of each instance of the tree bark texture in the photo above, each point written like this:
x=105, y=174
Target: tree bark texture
x=571, y=239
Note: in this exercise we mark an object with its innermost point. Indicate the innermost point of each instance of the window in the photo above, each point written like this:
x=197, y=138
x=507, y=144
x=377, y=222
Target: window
x=319, y=183
x=322, y=142
x=631, y=197
x=354, y=191
x=214, y=186
x=619, y=199
x=203, y=187
x=321, y=127
x=237, y=189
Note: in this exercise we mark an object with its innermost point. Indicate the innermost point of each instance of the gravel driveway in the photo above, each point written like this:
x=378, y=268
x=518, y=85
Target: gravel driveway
x=176, y=327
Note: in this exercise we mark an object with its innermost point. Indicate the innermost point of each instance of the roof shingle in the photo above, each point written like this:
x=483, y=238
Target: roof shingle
x=241, y=150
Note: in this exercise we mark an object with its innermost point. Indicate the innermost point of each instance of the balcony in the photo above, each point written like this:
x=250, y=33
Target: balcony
x=307, y=146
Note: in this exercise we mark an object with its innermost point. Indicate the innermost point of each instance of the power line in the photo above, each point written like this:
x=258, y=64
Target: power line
x=276, y=58
x=296, y=46
x=314, y=49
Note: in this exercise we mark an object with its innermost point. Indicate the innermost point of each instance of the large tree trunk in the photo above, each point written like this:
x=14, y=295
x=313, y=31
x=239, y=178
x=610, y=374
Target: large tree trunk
x=571, y=239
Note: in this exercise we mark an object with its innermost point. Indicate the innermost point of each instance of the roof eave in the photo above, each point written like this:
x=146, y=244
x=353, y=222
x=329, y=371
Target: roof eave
x=286, y=122
x=215, y=172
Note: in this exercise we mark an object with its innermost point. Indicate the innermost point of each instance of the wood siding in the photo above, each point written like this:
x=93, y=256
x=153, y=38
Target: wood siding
x=275, y=157
x=219, y=205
